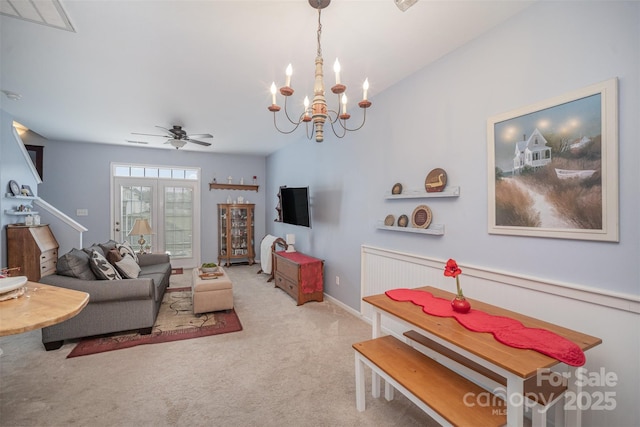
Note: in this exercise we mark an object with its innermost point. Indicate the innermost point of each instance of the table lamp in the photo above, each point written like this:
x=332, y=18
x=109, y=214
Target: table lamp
x=141, y=227
x=291, y=240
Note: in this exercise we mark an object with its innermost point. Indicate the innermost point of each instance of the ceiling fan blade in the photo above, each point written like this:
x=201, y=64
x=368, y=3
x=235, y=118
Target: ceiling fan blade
x=136, y=142
x=165, y=129
x=195, y=141
x=149, y=134
x=200, y=135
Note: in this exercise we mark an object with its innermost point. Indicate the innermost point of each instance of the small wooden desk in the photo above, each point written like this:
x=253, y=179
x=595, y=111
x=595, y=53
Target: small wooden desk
x=516, y=365
x=41, y=305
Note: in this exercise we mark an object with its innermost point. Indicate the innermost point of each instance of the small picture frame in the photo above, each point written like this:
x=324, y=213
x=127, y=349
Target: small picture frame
x=14, y=187
x=397, y=189
x=26, y=190
x=421, y=217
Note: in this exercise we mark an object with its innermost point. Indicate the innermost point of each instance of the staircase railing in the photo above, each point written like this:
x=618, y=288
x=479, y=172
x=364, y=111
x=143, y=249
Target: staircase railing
x=68, y=232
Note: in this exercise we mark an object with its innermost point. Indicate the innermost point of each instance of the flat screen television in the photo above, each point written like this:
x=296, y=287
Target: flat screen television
x=294, y=205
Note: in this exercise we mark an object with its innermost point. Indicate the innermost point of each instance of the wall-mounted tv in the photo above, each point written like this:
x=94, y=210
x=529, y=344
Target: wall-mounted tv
x=294, y=205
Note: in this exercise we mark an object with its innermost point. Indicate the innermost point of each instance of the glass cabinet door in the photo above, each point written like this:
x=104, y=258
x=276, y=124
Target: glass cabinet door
x=239, y=231
x=222, y=230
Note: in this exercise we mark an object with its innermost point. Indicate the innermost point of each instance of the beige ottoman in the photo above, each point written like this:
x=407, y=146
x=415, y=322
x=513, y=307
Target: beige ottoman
x=211, y=294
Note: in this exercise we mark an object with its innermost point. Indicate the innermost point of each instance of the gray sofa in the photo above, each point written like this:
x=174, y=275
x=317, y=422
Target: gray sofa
x=114, y=305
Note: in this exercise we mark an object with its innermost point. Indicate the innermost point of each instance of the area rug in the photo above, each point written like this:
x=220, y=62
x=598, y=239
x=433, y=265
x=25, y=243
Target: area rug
x=175, y=322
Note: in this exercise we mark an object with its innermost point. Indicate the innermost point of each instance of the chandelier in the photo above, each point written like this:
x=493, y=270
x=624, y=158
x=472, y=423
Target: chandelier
x=318, y=112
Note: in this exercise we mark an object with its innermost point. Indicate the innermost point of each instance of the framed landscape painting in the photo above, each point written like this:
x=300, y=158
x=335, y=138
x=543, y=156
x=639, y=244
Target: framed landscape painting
x=553, y=167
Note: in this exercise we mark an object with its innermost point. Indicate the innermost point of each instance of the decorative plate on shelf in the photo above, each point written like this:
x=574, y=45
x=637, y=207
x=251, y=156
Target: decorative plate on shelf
x=421, y=216
x=397, y=188
x=403, y=221
x=15, y=188
x=389, y=220
x=436, y=181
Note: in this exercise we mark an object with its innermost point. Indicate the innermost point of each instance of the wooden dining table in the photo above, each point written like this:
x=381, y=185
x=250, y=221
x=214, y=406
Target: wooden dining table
x=515, y=364
x=40, y=306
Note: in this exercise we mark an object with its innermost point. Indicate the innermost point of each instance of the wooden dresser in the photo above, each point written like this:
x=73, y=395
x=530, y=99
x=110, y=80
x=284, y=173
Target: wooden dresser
x=32, y=248
x=299, y=275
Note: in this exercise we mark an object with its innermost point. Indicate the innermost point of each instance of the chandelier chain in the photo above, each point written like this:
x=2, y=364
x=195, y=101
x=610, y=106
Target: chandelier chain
x=319, y=30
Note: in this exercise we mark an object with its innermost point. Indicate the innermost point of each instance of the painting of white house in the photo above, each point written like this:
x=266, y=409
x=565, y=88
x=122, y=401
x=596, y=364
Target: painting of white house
x=548, y=168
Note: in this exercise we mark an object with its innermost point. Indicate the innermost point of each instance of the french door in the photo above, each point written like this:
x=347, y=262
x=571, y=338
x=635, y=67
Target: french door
x=173, y=210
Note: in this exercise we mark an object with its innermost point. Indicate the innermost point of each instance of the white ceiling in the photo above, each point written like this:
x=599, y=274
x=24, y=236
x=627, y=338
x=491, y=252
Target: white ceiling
x=207, y=65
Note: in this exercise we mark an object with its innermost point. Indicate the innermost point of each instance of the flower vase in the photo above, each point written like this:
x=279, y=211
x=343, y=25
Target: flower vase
x=460, y=304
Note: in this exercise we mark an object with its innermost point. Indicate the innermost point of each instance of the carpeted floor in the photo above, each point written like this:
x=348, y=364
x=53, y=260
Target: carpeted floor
x=289, y=366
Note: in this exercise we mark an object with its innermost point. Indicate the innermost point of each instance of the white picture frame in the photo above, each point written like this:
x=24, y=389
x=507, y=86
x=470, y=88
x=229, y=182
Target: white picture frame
x=553, y=167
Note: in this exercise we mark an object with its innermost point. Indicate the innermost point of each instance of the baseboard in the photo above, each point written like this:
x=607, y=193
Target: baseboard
x=345, y=307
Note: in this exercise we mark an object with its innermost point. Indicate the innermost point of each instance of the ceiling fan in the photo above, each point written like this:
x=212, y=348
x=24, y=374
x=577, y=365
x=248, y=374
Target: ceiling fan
x=178, y=137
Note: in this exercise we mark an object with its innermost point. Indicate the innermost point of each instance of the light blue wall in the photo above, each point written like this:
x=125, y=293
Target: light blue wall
x=77, y=176
x=437, y=118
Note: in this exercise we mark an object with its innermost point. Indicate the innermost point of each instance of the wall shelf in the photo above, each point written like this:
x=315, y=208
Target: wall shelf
x=433, y=229
x=415, y=194
x=247, y=187
x=19, y=213
x=11, y=196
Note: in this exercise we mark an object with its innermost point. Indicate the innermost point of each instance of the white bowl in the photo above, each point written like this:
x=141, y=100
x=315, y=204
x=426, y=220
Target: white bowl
x=8, y=284
x=209, y=269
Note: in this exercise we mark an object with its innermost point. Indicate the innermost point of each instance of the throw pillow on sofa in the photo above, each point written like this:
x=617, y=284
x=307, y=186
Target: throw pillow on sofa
x=94, y=247
x=113, y=256
x=107, y=246
x=125, y=249
x=75, y=263
x=101, y=267
x=128, y=267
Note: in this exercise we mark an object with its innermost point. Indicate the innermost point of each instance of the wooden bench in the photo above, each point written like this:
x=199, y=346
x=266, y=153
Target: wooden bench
x=447, y=397
x=543, y=394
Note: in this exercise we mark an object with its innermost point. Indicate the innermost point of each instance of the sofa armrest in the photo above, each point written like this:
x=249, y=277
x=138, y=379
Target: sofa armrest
x=150, y=259
x=105, y=290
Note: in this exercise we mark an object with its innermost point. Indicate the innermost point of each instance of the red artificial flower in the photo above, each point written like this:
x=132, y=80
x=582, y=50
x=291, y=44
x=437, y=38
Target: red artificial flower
x=452, y=269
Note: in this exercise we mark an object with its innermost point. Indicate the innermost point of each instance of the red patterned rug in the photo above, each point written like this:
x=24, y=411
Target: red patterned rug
x=175, y=322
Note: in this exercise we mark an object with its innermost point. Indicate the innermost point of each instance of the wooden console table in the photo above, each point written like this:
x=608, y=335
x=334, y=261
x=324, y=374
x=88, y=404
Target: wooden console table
x=299, y=275
x=41, y=305
x=516, y=365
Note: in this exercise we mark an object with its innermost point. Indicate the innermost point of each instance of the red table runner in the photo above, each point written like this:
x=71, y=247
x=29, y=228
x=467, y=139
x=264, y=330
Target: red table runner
x=310, y=271
x=507, y=331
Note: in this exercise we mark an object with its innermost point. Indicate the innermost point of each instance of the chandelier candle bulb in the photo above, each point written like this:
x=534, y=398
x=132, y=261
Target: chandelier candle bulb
x=336, y=69
x=273, y=93
x=344, y=103
x=365, y=89
x=288, y=72
x=306, y=117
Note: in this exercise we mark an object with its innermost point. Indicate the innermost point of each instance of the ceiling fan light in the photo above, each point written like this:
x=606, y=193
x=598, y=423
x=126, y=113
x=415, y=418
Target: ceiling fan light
x=403, y=5
x=178, y=143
